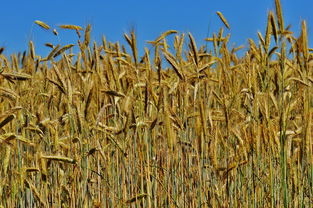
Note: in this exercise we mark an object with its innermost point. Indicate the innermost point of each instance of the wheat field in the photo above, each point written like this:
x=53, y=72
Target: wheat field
x=181, y=126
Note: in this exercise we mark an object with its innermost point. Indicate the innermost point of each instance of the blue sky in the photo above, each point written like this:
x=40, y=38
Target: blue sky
x=149, y=18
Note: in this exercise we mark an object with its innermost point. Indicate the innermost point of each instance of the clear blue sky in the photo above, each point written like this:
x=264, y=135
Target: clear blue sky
x=149, y=18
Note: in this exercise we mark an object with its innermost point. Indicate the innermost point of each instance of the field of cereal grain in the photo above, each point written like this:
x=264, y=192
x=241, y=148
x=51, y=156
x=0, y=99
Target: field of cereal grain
x=182, y=126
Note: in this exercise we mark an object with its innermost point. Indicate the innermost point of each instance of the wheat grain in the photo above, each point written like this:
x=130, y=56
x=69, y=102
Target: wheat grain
x=42, y=24
x=221, y=16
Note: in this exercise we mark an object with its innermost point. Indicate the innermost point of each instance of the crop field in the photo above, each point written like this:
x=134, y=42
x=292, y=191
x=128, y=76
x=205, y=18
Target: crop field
x=181, y=126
